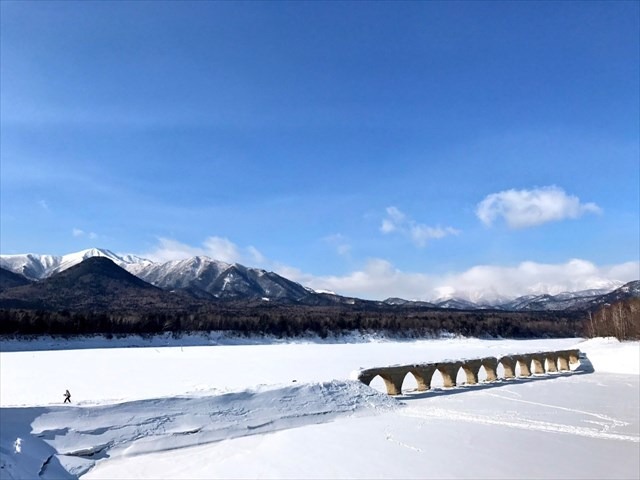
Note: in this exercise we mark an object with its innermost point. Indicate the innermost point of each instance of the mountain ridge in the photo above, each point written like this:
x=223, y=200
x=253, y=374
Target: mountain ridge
x=95, y=284
x=205, y=278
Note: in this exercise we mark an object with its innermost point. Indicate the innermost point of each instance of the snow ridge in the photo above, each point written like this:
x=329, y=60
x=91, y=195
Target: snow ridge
x=78, y=436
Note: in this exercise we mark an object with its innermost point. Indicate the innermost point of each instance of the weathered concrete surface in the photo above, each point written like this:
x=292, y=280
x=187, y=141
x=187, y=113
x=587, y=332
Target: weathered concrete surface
x=449, y=371
x=471, y=369
x=537, y=360
x=508, y=362
x=574, y=356
x=552, y=362
x=524, y=361
x=490, y=365
x=392, y=376
x=542, y=362
x=563, y=363
x=423, y=375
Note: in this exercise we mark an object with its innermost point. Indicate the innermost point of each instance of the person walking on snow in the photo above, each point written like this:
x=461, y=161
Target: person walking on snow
x=67, y=397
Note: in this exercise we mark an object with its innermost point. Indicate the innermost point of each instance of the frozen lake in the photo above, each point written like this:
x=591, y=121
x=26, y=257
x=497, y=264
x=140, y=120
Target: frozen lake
x=291, y=410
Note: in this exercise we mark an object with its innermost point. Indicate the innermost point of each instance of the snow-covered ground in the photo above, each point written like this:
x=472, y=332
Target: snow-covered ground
x=290, y=410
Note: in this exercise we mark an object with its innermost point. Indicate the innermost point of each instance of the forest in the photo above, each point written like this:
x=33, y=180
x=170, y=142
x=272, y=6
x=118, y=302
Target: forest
x=291, y=321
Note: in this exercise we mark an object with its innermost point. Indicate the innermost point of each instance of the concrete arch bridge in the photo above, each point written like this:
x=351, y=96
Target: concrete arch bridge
x=529, y=364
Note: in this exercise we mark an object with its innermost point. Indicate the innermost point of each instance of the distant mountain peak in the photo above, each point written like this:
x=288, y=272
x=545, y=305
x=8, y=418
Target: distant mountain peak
x=37, y=267
x=103, y=266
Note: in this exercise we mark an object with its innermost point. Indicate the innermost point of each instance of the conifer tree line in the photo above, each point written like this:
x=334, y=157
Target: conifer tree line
x=620, y=319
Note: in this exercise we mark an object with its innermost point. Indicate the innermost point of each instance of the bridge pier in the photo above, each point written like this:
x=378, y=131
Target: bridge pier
x=525, y=365
x=563, y=362
x=449, y=372
x=574, y=356
x=509, y=364
x=471, y=369
x=423, y=374
x=393, y=382
x=552, y=362
x=564, y=359
x=490, y=365
x=538, y=363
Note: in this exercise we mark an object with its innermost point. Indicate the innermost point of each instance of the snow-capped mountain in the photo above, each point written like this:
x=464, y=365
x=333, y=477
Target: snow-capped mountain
x=395, y=301
x=222, y=280
x=562, y=301
x=457, y=303
x=201, y=276
x=38, y=267
x=204, y=277
x=580, y=300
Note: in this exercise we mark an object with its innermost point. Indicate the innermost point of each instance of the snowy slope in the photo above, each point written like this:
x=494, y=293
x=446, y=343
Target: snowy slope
x=561, y=301
x=219, y=279
x=195, y=272
x=200, y=275
x=155, y=425
x=38, y=267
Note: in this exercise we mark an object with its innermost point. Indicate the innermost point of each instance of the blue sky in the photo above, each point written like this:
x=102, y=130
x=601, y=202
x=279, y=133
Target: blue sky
x=374, y=149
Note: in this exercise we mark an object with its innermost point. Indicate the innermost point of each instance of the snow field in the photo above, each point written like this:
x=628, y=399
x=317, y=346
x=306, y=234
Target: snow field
x=235, y=411
x=99, y=375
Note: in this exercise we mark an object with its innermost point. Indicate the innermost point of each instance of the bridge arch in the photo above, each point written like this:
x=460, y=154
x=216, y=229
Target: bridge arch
x=490, y=365
x=378, y=383
x=468, y=371
x=410, y=382
x=524, y=362
x=449, y=372
x=423, y=375
x=393, y=382
x=471, y=369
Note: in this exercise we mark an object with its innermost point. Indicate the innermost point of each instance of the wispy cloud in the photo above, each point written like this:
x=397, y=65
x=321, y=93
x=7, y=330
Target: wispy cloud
x=529, y=208
x=396, y=221
x=43, y=204
x=217, y=248
x=77, y=232
x=339, y=242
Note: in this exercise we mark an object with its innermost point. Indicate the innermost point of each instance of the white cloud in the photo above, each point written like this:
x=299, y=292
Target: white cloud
x=397, y=221
x=421, y=233
x=339, y=242
x=222, y=249
x=379, y=279
x=43, y=204
x=387, y=226
x=528, y=208
x=256, y=256
x=77, y=232
x=217, y=248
